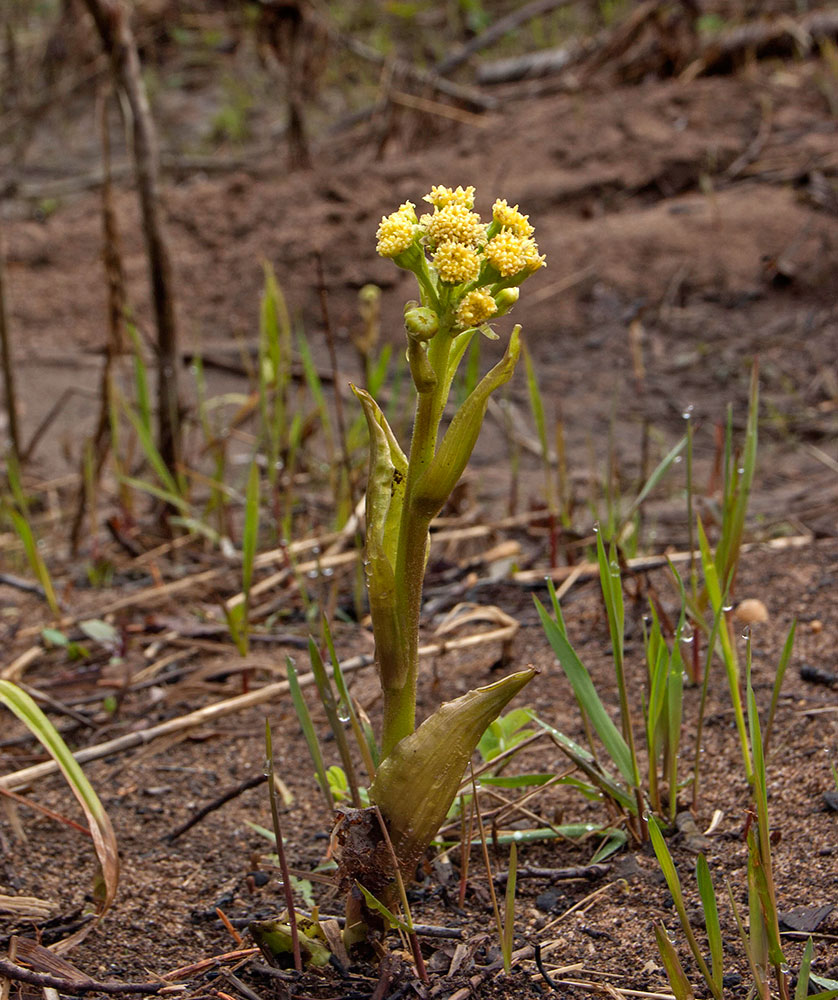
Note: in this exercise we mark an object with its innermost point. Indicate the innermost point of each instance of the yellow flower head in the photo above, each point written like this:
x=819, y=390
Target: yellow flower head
x=511, y=218
x=454, y=223
x=507, y=252
x=441, y=196
x=456, y=263
x=534, y=260
x=396, y=231
x=475, y=308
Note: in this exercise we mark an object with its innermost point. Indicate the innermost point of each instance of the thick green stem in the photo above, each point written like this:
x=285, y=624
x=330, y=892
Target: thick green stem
x=400, y=702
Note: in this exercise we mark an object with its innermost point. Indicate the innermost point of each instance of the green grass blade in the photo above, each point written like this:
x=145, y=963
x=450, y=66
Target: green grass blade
x=537, y=407
x=304, y=717
x=778, y=683
x=731, y=665
x=174, y=499
x=711, y=919
x=586, y=695
x=327, y=699
x=657, y=474
x=678, y=981
x=763, y=869
x=250, y=534
x=509, y=909
x=605, y=782
x=673, y=883
x=35, y=559
x=801, y=991
x=101, y=831
x=152, y=455
x=375, y=904
x=140, y=379
x=364, y=736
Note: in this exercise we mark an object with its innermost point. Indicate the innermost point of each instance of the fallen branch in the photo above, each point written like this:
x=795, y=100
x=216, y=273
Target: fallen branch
x=589, y=872
x=495, y=32
x=73, y=987
x=23, y=777
x=243, y=786
x=784, y=36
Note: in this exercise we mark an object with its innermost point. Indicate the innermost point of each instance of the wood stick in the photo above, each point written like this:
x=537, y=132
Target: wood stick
x=112, y=22
x=73, y=987
x=18, y=779
x=495, y=32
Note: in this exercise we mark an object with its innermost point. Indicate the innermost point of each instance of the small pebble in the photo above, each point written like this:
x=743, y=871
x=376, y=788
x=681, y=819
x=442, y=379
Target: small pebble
x=750, y=611
x=816, y=625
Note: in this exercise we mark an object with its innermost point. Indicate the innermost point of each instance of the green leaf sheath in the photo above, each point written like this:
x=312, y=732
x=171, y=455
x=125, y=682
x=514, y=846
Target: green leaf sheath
x=416, y=784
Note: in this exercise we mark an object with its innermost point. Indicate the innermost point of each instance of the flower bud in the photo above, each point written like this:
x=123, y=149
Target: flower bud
x=421, y=323
x=506, y=299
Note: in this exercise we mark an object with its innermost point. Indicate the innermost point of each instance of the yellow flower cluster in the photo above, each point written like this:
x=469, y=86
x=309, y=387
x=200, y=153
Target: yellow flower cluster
x=510, y=253
x=396, y=231
x=454, y=222
x=456, y=263
x=463, y=249
x=475, y=308
x=441, y=196
x=511, y=218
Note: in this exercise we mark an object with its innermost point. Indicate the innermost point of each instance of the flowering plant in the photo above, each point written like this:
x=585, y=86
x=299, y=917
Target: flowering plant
x=468, y=273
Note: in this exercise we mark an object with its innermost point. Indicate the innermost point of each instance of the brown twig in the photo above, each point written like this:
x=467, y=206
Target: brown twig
x=7, y=362
x=280, y=851
x=495, y=32
x=415, y=948
x=589, y=872
x=112, y=22
x=75, y=987
x=217, y=803
x=18, y=779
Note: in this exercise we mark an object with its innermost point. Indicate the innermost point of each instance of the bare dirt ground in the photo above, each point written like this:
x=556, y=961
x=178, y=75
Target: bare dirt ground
x=692, y=225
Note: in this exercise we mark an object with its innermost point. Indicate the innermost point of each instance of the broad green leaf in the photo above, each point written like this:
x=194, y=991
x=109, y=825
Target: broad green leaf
x=430, y=763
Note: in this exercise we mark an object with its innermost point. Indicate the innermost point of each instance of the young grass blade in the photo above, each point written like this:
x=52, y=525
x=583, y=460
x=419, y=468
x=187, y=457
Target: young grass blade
x=101, y=831
x=763, y=871
x=674, y=885
x=35, y=560
x=364, y=735
x=801, y=991
x=309, y=732
x=140, y=380
x=395, y=923
x=738, y=482
x=153, y=456
x=711, y=919
x=605, y=782
x=612, y=593
x=586, y=695
x=327, y=700
x=250, y=536
x=657, y=474
x=678, y=981
x=711, y=580
x=778, y=683
x=537, y=407
x=280, y=850
x=509, y=909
